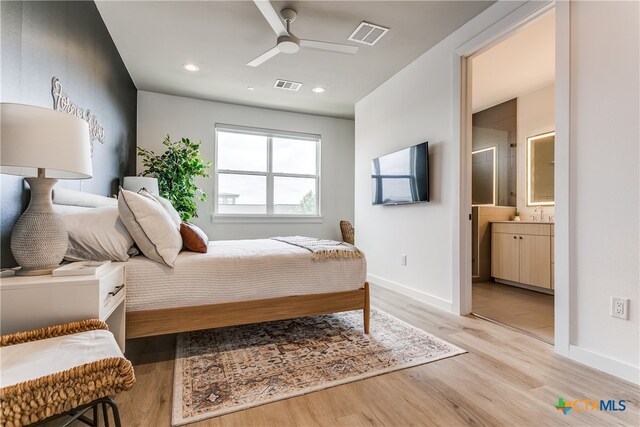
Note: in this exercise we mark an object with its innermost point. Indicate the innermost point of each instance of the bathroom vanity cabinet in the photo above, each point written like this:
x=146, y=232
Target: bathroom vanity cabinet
x=522, y=253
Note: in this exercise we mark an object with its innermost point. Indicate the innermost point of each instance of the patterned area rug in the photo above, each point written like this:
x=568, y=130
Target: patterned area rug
x=224, y=370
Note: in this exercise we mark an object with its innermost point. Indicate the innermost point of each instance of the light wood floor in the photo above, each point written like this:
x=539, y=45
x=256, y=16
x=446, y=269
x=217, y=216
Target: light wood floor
x=506, y=378
x=527, y=310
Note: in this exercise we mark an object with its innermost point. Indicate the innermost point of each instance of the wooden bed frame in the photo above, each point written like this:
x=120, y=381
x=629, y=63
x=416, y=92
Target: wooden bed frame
x=171, y=320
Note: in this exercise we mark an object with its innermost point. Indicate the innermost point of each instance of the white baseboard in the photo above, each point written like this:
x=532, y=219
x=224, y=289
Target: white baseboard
x=412, y=293
x=605, y=363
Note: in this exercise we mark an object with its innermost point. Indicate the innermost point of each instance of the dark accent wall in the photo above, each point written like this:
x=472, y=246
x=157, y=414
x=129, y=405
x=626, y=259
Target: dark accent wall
x=67, y=40
x=496, y=127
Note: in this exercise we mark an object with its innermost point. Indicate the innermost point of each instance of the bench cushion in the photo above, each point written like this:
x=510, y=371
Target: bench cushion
x=35, y=359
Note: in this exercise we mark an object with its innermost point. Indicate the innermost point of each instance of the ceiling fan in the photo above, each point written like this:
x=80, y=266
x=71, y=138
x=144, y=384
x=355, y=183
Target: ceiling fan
x=287, y=42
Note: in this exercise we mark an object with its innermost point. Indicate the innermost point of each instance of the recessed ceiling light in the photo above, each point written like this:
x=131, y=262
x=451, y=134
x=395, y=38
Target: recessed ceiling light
x=250, y=88
x=317, y=89
x=191, y=67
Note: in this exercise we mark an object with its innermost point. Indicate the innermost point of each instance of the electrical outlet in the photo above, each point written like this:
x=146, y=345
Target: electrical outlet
x=620, y=308
x=403, y=260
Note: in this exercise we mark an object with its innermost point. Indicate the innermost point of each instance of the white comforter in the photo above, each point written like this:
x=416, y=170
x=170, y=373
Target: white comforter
x=237, y=270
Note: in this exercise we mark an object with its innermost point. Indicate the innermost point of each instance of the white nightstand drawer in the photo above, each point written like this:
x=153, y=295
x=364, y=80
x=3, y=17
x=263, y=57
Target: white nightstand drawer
x=32, y=302
x=111, y=292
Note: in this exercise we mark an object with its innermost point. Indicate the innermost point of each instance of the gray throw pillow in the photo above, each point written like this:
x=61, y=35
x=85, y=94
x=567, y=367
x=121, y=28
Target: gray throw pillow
x=151, y=227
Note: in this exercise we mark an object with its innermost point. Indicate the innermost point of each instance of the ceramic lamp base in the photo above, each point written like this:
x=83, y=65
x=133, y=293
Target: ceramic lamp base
x=39, y=238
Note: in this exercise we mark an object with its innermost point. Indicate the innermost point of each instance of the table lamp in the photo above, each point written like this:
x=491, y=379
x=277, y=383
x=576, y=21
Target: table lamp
x=43, y=145
x=137, y=183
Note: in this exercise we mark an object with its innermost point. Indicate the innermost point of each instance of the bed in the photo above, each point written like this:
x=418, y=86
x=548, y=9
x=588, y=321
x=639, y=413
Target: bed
x=239, y=282
x=236, y=282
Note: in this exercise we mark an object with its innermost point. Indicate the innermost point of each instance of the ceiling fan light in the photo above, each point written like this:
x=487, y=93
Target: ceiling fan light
x=288, y=47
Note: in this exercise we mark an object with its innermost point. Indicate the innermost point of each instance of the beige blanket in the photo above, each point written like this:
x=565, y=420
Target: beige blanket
x=322, y=249
x=237, y=270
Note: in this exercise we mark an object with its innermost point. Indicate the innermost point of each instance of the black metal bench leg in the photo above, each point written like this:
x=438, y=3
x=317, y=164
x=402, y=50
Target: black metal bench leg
x=105, y=414
x=114, y=408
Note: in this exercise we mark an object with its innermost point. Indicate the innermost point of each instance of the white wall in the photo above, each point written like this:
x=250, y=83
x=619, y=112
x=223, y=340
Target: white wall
x=417, y=104
x=536, y=115
x=605, y=179
x=414, y=106
x=159, y=115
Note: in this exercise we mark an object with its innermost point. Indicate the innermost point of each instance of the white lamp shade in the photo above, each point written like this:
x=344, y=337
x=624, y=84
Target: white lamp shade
x=35, y=137
x=136, y=183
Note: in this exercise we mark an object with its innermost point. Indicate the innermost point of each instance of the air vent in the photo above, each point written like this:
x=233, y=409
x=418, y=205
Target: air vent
x=368, y=33
x=287, y=85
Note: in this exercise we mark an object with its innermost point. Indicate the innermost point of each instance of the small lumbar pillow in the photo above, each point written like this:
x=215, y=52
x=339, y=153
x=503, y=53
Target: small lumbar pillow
x=97, y=234
x=193, y=238
x=166, y=204
x=151, y=227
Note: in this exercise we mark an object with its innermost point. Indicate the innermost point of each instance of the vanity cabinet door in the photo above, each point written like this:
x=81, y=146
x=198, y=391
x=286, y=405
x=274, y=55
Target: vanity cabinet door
x=505, y=256
x=535, y=260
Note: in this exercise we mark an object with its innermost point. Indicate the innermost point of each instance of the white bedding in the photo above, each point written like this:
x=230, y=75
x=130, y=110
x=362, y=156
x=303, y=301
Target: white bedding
x=237, y=270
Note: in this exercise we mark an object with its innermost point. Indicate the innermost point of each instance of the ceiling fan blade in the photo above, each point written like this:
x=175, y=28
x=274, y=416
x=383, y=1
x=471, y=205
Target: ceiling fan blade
x=264, y=57
x=271, y=16
x=329, y=47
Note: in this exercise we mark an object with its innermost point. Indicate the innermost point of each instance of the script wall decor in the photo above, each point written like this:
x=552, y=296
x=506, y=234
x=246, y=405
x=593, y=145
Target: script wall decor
x=61, y=102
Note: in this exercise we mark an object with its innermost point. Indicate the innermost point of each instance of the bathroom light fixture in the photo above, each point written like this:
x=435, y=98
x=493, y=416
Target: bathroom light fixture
x=191, y=67
x=250, y=88
x=531, y=199
x=317, y=89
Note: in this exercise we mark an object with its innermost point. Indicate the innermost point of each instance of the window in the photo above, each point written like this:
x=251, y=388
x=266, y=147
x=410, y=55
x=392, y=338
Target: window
x=266, y=173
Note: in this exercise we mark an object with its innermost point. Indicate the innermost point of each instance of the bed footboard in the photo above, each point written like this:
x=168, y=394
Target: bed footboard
x=172, y=320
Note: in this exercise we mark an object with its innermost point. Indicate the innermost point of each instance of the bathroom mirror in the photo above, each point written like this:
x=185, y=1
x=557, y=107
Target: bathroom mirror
x=483, y=176
x=540, y=169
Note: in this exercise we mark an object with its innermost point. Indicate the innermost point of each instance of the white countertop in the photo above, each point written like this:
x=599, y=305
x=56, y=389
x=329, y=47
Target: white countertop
x=522, y=222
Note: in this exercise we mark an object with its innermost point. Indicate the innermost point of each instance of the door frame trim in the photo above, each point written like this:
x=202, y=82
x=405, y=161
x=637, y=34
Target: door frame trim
x=461, y=262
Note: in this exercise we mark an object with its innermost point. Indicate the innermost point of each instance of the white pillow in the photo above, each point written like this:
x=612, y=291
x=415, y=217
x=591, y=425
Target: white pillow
x=97, y=234
x=68, y=209
x=66, y=196
x=166, y=204
x=151, y=227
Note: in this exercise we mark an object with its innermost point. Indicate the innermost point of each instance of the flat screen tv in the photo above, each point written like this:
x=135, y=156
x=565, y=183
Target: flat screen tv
x=401, y=177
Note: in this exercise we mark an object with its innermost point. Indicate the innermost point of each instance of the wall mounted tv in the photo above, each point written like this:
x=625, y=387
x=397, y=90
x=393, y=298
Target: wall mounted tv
x=401, y=177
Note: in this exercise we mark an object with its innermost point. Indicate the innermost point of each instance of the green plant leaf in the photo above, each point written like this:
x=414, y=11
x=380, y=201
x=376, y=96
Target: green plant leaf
x=176, y=170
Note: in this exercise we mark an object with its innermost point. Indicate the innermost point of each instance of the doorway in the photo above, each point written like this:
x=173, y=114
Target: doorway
x=512, y=179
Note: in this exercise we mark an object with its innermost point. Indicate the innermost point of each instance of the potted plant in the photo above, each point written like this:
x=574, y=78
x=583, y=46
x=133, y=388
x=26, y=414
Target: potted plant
x=176, y=170
x=516, y=217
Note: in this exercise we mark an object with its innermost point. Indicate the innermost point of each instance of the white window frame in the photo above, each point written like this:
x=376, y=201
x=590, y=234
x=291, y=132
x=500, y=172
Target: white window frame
x=270, y=134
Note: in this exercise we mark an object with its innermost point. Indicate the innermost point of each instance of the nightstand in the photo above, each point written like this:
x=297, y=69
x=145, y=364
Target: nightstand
x=32, y=302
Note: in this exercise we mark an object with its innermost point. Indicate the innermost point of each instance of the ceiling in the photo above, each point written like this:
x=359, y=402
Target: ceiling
x=521, y=64
x=155, y=39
